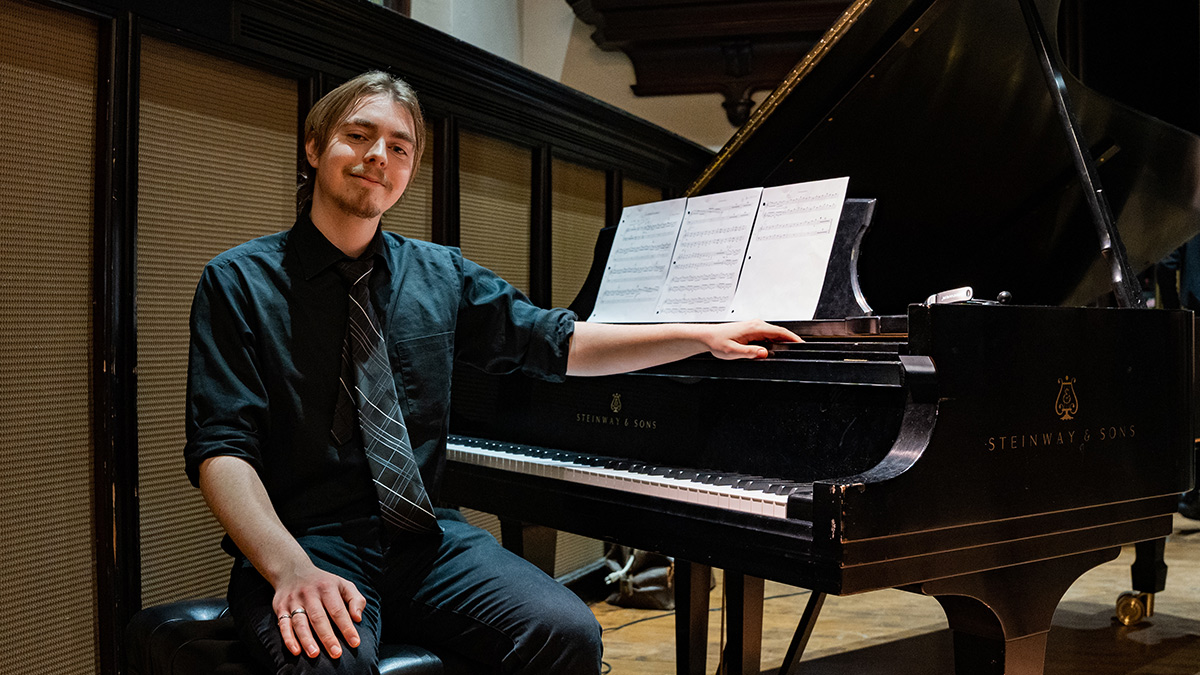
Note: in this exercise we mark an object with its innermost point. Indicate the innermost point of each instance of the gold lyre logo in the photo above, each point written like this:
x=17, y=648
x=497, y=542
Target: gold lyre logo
x=1066, y=405
x=615, y=405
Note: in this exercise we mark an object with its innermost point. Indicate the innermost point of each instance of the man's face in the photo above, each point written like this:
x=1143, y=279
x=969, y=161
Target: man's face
x=368, y=161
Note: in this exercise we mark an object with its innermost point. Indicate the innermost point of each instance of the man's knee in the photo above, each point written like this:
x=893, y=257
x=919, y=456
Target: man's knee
x=580, y=643
x=566, y=640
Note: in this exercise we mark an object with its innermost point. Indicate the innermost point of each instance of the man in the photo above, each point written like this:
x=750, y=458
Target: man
x=281, y=353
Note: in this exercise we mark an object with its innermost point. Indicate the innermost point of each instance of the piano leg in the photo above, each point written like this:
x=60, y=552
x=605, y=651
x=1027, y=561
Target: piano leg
x=1149, y=571
x=1000, y=617
x=1149, y=575
x=743, y=640
x=692, y=586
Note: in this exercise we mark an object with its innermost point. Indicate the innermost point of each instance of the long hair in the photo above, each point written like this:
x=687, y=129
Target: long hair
x=333, y=109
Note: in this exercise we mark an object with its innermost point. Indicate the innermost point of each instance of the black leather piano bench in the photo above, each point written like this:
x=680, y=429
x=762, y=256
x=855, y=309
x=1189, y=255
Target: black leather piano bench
x=197, y=637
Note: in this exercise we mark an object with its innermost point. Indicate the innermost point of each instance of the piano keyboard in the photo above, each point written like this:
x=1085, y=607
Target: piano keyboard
x=748, y=494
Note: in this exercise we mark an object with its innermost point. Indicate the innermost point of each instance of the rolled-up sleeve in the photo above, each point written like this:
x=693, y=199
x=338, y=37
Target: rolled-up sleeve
x=226, y=398
x=500, y=331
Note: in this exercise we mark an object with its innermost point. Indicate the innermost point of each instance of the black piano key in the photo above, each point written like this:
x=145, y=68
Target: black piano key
x=787, y=488
x=732, y=479
x=800, y=489
x=534, y=451
x=569, y=457
x=760, y=484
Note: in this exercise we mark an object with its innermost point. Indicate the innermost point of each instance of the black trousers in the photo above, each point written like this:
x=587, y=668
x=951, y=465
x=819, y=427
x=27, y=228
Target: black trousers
x=459, y=594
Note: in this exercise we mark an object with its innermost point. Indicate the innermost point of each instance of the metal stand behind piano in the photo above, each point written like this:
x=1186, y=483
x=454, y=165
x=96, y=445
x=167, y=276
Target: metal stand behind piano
x=983, y=454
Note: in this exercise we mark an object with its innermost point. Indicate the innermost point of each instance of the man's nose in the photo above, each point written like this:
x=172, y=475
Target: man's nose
x=377, y=152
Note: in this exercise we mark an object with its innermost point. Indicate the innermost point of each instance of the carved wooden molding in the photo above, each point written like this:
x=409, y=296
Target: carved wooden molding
x=730, y=47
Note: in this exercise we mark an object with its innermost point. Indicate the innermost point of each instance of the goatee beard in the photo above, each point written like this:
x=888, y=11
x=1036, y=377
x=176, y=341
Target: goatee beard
x=359, y=209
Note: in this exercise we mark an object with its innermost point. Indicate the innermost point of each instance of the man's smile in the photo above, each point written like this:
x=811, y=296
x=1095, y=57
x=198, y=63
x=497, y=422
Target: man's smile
x=369, y=178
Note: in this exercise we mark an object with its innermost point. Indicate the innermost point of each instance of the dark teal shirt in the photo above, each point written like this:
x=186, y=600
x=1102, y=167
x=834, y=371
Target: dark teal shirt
x=267, y=326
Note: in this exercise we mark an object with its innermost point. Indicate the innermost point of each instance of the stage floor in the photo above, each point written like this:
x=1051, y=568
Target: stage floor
x=896, y=633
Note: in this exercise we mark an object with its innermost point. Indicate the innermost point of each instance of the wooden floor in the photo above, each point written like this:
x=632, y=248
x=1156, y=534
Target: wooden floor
x=896, y=633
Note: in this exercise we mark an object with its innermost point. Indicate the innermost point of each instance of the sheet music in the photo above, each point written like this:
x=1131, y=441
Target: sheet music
x=789, y=251
x=638, y=262
x=708, y=257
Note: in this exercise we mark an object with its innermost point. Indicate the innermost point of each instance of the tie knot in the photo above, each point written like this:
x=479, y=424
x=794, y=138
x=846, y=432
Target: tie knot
x=356, y=272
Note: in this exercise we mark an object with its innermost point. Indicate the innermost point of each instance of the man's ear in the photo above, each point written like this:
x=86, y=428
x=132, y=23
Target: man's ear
x=310, y=151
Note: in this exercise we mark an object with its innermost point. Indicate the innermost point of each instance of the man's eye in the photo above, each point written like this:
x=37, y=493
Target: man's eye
x=399, y=150
x=355, y=136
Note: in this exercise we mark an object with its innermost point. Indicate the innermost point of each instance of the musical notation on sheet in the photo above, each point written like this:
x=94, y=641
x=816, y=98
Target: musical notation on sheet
x=742, y=254
x=708, y=256
x=789, y=251
x=638, y=262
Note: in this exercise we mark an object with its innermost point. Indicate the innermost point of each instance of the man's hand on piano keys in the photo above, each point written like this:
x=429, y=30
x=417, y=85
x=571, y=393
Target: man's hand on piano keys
x=737, y=340
x=606, y=349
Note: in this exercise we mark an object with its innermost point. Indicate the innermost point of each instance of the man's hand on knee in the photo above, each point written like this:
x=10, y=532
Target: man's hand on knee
x=309, y=604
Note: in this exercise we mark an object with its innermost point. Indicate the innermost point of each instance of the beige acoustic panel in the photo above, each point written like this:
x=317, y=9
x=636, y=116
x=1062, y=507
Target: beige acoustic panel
x=412, y=216
x=216, y=167
x=634, y=193
x=48, y=76
x=494, y=184
x=572, y=552
x=577, y=216
x=494, y=187
x=484, y=521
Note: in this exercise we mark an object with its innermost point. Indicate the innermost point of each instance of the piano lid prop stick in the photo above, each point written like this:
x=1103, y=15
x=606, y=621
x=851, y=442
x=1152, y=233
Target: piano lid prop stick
x=1124, y=281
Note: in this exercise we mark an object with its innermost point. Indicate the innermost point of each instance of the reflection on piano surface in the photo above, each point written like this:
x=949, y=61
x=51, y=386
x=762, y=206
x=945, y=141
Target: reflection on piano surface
x=984, y=454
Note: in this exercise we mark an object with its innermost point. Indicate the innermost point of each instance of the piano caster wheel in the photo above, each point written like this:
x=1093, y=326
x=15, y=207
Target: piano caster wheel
x=1132, y=608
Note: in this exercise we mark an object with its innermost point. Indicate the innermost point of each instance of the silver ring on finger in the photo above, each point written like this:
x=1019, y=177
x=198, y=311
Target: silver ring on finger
x=284, y=616
x=298, y=610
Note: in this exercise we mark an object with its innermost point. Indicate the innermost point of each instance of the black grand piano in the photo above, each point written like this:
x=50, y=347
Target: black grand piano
x=986, y=453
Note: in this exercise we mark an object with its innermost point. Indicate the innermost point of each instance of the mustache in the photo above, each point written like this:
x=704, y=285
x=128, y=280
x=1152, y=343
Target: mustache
x=363, y=172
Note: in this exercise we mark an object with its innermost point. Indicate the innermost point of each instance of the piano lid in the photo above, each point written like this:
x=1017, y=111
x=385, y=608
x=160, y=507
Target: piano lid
x=939, y=110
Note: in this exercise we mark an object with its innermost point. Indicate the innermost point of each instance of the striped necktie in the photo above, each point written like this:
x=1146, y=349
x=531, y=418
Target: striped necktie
x=367, y=385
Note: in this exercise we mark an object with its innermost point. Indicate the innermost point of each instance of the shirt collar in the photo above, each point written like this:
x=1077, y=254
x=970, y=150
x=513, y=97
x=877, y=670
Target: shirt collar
x=316, y=253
